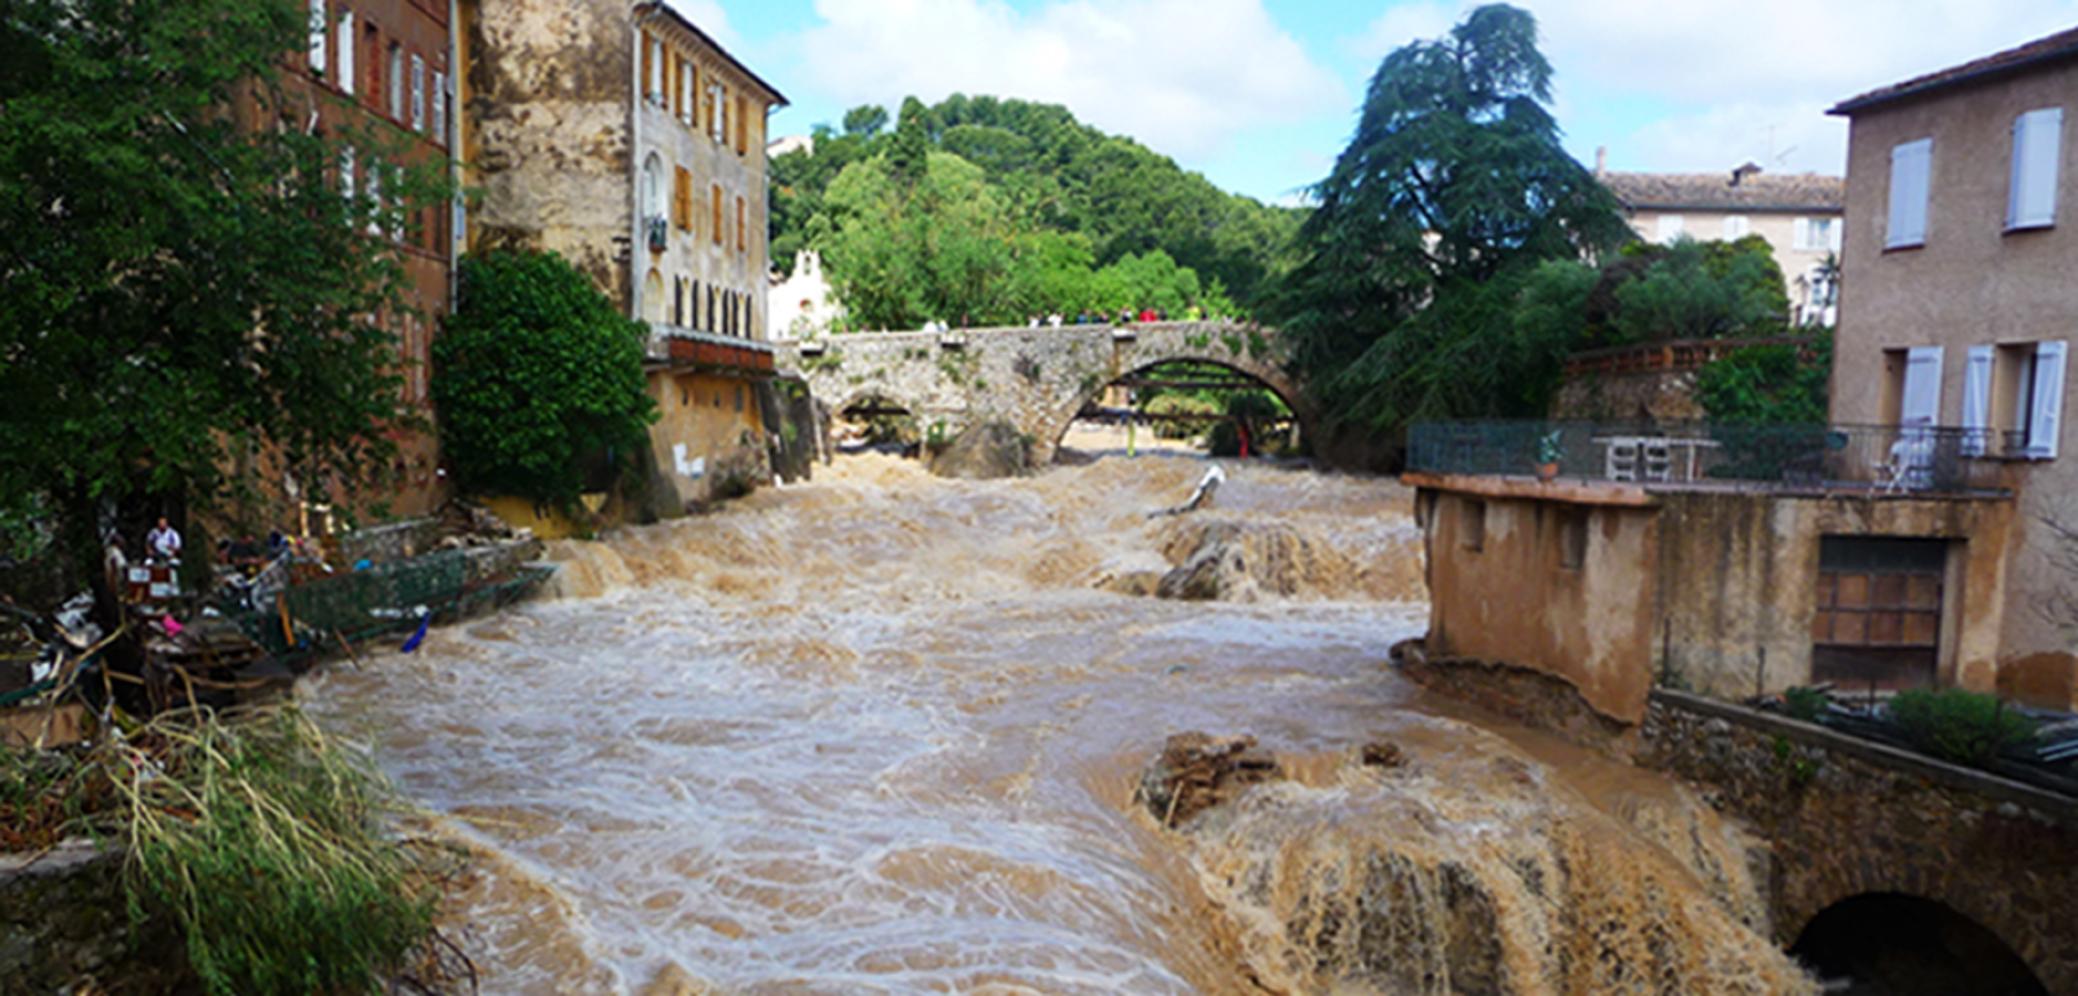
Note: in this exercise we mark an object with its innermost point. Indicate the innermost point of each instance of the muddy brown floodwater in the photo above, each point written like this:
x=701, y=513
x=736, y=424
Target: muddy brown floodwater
x=879, y=733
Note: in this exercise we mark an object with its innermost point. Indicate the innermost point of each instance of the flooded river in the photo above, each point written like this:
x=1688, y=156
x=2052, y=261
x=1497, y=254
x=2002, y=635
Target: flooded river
x=880, y=733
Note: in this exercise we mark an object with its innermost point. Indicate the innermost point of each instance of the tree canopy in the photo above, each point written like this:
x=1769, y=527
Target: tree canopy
x=538, y=381
x=1054, y=183
x=181, y=280
x=1451, y=194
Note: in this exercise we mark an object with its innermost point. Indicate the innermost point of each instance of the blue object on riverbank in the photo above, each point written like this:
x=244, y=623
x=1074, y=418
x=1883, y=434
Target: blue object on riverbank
x=425, y=619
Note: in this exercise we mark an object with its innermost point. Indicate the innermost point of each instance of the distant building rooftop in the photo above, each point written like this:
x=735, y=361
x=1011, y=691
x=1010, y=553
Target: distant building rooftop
x=656, y=8
x=2059, y=47
x=1752, y=191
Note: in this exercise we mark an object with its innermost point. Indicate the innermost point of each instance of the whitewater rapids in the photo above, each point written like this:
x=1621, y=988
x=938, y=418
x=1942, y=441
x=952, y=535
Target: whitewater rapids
x=879, y=733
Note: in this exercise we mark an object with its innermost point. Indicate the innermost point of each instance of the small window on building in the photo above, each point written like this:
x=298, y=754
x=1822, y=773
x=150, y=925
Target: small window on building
x=319, y=22
x=1572, y=535
x=1911, y=172
x=1669, y=227
x=418, y=93
x=1472, y=525
x=653, y=71
x=440, y=108
x=742, y=125
x=345, y=44
x=688, y=104
x=682, y=199
x=395, y=81
x=652, y=183
x=2033, y=383
x=2037, y=146
x=1736, y=226
x=372, y=48
x=717, y=111
x=1817, y=234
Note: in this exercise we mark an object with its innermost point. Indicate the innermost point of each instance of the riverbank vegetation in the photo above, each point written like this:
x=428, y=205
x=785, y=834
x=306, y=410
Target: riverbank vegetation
x=270, y=847
x=538, y=381
x=983, y=211
x=163, y=203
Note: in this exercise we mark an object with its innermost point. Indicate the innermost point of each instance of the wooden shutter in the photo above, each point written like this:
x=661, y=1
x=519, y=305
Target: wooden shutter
x=1921, y=398
x=742, y=125
x=1910, y=170
x=682, y=199
x=2037, y=142
x=1977, y=401
x=717, y=195
x=2045, y=422
x=742, y=226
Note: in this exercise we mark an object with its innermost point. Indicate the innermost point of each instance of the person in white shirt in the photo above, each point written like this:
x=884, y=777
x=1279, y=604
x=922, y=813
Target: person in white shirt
x=163, y=541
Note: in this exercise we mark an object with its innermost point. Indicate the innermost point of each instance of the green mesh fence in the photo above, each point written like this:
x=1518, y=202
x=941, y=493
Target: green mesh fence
x=311, y=617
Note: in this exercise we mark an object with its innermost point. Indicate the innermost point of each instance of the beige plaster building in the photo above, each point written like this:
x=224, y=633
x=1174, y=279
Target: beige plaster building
x=1960, y=302
x=623, y=137
x=1799, y=216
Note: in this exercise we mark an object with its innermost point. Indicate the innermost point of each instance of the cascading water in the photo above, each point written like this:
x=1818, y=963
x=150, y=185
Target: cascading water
x=881, y=733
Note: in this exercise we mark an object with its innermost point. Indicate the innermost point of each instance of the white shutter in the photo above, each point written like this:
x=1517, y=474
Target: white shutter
x=440, y=107
x=2046, y=421
x=2037, y=143
x=1977, y=401
x=317, y=36
x=346, y=51
x=1803, y=234
x=418, y=93
x=1670, y=227
x=1910, y=167
x=1921, y=403
x=1736, y=226
x=1832, y=233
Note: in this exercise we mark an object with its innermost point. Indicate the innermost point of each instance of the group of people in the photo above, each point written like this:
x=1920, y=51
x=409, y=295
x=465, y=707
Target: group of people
x=1096, y=316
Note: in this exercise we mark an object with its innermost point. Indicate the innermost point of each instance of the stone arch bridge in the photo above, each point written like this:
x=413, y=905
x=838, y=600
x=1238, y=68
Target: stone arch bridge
x=1034, y=378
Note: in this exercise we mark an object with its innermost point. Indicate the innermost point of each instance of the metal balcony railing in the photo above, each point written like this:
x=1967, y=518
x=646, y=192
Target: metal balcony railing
x=1885, y=459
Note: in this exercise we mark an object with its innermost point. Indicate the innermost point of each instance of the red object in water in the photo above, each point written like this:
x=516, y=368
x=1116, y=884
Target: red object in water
x=1241, y=428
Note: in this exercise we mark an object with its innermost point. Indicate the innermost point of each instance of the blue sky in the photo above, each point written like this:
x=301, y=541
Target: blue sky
x=1260, y=95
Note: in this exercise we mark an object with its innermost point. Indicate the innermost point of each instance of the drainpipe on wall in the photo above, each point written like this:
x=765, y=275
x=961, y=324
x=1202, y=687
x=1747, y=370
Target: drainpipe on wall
x=636, y=243
x=457, y=216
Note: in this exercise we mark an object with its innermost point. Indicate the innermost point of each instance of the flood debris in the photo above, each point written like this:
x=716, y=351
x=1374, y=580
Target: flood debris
x=1197, y=771
x=1382, y=754
x=1200, y=498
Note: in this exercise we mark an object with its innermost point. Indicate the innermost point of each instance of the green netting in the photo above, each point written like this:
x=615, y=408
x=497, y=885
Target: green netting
x=385, y=597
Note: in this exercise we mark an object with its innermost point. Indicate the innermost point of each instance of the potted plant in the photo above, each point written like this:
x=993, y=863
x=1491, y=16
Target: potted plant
x=1548, y=456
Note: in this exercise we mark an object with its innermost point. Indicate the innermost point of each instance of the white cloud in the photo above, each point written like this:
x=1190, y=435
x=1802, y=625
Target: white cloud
x=708, y=16
x=1182, y=76
x=1727, y=73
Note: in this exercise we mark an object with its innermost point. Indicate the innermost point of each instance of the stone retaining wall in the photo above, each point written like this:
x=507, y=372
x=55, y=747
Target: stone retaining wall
x=1849, y=817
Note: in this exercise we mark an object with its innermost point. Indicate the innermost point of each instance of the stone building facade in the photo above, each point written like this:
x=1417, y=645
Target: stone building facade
x=382, y=68
x=625, y=138
x=1959, y=311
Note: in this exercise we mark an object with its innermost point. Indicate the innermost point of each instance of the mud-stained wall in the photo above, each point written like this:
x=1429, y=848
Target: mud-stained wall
x=1737, y=576
x=545, y=95
x=1564, y=587
x=709, y=438
x=1849, y=817
x=1973, y=283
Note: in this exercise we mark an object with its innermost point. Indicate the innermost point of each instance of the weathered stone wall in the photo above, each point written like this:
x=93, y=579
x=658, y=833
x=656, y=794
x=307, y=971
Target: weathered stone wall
x=64, y=928
x=1034, y=378
x=1503, y=586
x=1737, y=575
x=1644, y=396
x=545, y=98
x=1848, y=817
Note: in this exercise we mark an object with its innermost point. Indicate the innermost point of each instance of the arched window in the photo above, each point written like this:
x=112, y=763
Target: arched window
x=653, y=297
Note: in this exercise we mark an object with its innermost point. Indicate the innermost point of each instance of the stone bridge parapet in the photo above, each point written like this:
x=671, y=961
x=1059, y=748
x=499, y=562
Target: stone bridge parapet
x=1035, y=378
x=1851, y=818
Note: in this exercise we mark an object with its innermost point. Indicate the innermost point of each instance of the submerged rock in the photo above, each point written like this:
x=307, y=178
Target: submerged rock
x=985, y=451
x=1197, y=772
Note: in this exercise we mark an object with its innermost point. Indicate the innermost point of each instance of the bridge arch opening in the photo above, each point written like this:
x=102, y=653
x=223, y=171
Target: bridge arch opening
x=1895, y=944
x=876, y=422
x=1204, y=405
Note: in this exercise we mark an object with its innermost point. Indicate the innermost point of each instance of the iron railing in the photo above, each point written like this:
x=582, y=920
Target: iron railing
x=1888, y=459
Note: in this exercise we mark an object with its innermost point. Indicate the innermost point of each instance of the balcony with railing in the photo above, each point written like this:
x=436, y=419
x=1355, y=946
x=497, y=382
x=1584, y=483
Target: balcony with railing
x=1912, y=461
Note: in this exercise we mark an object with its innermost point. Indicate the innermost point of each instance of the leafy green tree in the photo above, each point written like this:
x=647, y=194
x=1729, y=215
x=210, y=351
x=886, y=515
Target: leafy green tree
x=1774, y=384
x=908, y=159
x=538, y=381
x=1696, y=290
x=1453, y=188
x=865, y=121
x=181, y=284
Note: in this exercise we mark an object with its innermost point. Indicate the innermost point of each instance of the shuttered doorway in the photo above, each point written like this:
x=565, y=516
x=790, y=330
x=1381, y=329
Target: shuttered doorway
x=1877, y=618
